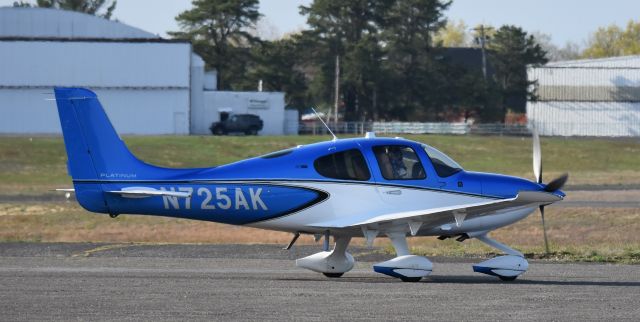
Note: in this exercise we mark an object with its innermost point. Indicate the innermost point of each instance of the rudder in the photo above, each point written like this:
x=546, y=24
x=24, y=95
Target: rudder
x=94, y=149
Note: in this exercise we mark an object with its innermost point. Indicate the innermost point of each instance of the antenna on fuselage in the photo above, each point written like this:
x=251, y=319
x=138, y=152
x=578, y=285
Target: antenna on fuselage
x=325, y=124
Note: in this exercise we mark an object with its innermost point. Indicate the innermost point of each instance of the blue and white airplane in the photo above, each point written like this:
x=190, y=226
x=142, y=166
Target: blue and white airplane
x=363, y=187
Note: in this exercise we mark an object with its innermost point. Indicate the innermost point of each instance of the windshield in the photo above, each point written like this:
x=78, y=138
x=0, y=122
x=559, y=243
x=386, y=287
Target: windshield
x=443, y=164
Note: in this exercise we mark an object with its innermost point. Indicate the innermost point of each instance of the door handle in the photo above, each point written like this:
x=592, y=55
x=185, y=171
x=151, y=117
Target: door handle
x=396, y=192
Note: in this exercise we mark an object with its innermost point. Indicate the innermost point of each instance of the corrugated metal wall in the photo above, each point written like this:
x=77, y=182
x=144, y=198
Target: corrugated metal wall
x=587, y=98
x=144, y=87
x=585, y=118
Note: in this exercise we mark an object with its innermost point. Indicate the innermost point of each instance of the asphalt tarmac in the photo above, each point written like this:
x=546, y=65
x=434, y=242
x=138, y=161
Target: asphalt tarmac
x=121, y=282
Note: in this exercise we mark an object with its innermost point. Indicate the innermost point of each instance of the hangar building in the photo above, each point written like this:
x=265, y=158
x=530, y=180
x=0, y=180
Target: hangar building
x=594, y=97
x=147, y=84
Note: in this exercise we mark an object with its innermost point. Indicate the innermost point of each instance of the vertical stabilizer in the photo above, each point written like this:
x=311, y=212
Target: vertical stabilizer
x=94, y=149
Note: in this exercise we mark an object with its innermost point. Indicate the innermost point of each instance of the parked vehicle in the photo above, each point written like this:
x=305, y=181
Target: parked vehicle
x=248, y=124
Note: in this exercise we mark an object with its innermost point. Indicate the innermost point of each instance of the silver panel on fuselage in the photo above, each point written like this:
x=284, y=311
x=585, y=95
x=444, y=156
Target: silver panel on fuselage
x=364, y=201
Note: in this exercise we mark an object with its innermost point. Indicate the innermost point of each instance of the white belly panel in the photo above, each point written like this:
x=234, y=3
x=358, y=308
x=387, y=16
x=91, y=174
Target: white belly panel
x=363, y=201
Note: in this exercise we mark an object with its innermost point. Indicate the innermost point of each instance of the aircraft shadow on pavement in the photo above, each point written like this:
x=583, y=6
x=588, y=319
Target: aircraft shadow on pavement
x=462, y=279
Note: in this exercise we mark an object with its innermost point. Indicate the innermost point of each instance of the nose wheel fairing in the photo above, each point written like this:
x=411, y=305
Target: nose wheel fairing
x=507, y=267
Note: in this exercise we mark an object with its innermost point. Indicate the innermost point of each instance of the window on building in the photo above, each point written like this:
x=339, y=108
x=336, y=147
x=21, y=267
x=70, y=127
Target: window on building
x=399, y=162
x=345, y=165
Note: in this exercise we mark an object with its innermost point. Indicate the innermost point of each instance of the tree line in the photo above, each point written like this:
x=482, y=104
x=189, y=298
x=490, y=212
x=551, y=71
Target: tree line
x=389, y=60
x=389, y=54
x=609, y=41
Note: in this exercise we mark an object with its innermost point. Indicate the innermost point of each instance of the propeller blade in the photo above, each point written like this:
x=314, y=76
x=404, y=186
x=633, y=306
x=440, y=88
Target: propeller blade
x=544, y=231
x=557, y=183
x=537, y=156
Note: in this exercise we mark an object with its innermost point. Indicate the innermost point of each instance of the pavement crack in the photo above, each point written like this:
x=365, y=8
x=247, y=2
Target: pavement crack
x=90, y=252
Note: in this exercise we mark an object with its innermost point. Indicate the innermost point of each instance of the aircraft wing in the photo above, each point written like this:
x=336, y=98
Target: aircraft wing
x=444, y=215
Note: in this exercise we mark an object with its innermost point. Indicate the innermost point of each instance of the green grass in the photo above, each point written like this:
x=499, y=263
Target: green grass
x=37, y=164
x=575, y=234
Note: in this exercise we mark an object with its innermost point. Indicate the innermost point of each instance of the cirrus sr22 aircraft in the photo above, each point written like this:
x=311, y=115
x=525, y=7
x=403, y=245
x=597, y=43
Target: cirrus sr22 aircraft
x=364, y=187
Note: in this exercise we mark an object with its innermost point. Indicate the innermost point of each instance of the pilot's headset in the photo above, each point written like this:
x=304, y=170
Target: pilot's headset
x=395, y=153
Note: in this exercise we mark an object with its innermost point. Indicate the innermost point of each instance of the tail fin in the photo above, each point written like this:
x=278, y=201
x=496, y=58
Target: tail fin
x=94, y=149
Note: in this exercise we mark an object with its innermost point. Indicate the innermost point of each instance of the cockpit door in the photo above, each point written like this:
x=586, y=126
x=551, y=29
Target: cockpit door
x=399, y=172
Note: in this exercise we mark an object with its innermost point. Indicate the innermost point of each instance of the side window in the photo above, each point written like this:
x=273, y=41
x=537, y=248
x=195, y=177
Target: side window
x=399, y=162
x=345, y=165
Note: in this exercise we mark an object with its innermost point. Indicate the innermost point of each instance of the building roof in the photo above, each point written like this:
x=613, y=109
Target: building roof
x=467, y=57
x=610, y=62
x=17, y=22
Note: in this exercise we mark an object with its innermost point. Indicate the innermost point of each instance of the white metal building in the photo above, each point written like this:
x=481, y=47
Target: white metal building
x=148, y=85
x=595, y=97
x=144, y=82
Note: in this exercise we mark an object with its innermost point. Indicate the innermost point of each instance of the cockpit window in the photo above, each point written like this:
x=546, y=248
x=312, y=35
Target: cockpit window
x=443, y=164
x=399, y=162
x=345, y=165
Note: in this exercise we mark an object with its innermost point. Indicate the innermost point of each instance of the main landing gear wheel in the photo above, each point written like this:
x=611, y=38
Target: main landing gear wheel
x=507, y=278
x=333, y=275
x=408, y=268
x=333, y=263
x=410, y=279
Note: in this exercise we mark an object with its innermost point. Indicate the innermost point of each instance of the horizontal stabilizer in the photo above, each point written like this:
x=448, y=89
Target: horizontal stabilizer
x=70, y=190
x=143, y=193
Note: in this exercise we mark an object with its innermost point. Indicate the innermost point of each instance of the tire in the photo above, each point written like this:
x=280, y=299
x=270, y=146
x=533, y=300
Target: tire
x=411, y=279
x=218, y=130
x=251, y=131
x=333, y=275
x=508, y=278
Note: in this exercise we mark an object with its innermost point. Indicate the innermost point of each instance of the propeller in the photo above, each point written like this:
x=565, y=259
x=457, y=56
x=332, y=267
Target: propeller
x=552, y=186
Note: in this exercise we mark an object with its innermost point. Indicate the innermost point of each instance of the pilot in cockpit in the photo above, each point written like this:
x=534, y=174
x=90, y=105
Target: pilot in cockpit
x=397, y=164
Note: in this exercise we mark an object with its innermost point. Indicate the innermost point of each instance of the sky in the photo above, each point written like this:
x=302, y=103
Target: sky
x=564, y=20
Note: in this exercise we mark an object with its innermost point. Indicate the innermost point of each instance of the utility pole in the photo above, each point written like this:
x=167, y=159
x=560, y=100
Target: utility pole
x=483, y=40
x=337, y=92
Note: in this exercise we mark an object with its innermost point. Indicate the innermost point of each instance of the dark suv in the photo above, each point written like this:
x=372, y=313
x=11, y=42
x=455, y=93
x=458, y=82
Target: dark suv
x=249, y=124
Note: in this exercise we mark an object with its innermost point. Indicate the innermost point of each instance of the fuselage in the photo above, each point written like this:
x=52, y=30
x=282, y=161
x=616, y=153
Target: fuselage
x=292, y=189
